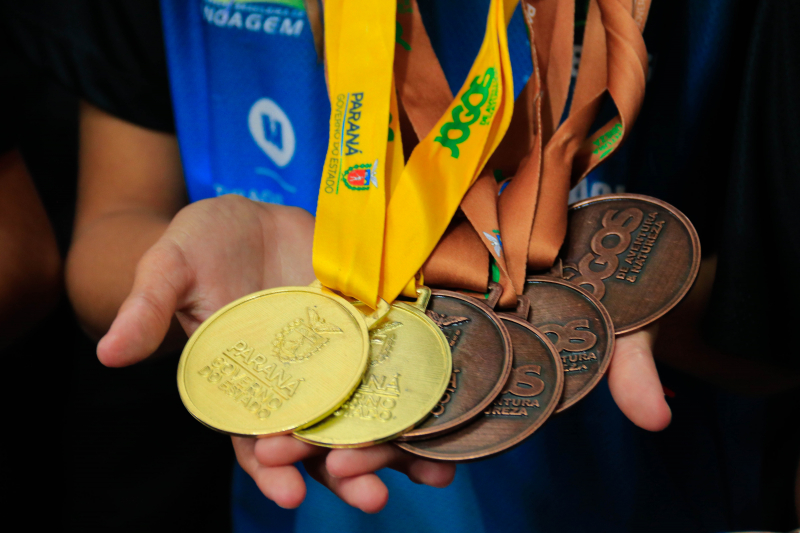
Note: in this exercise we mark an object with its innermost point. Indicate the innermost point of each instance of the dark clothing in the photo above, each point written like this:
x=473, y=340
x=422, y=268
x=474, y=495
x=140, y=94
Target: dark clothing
x=114, y=449
x=109, y=53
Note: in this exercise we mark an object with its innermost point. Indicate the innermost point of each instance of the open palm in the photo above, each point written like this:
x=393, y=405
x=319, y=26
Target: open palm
x=214, y=252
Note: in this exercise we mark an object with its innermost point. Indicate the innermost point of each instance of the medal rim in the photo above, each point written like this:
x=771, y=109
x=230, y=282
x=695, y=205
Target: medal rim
x=522, y=436
x=435, y=431
x=182, y=362
x=610, y=331
x=445, y=350
x=695, y=249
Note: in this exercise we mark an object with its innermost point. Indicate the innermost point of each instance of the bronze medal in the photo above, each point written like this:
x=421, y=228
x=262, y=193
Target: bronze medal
x=638, y=255
x=529, y=397
x=481, y=361
x=579, y=327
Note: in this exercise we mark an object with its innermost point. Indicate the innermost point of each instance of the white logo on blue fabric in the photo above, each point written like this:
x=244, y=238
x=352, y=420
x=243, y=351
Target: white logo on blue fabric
x=286, y=186
x=272, y=17
x=272, y=131
x=259, y=195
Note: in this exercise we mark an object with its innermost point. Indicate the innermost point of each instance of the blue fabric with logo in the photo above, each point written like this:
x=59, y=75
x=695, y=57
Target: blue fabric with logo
x=252, y=112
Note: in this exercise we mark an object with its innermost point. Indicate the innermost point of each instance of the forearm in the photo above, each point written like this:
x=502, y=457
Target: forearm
x=102, y=262
x=681, y=345
x=30, y=265
x=130, y=187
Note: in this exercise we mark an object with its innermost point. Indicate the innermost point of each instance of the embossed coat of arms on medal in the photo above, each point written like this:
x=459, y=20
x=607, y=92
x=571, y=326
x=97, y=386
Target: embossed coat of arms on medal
x=382, y=340
x=299, y=340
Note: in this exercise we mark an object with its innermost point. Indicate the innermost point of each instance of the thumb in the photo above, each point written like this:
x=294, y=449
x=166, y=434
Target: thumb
x=634, y=383
x=162, y=279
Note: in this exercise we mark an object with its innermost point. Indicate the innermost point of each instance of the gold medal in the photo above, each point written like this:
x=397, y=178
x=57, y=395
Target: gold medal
x=274, y=361
x=409, y=370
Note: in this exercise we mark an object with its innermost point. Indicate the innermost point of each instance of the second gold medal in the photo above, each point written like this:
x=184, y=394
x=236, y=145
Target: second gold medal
x=409, y=369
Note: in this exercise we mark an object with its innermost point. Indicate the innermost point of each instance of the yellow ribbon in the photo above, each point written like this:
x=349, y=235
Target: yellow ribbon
x=378, y=220
x=349, y=234
x=449, y=159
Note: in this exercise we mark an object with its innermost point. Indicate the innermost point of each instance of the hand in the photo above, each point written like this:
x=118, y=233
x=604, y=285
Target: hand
x=632, y=375
x=634, y=383
x=348, y=473
x=212, y=253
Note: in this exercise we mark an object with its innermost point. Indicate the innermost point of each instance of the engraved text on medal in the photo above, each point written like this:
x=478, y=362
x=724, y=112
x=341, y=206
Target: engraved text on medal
x=611, y=241
x=251, y=379
x=573, y=342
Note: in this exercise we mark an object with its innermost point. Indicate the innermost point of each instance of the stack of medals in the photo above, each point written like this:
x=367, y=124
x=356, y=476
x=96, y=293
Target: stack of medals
x=442, y=373
x=334, y=363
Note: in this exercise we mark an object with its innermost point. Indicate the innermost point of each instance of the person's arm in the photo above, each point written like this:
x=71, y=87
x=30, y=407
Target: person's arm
x=677, y=340
x=681, y=345
x=30, y=264
x=130, y=187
